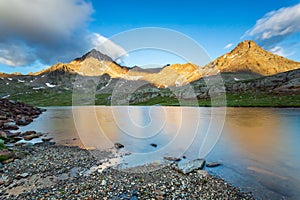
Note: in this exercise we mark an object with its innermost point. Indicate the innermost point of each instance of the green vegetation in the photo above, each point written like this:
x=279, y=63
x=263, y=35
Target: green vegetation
x=3, y=158
x=263, y=100
x=232, y=100
x=164, y=101
x=101, y=99
x=2, y=145
x=46, y=98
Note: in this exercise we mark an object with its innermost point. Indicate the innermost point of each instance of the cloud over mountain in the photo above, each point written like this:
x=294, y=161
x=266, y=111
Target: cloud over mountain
x=228, y=46
x=275, y=27
x=48, y=31
x=107, y=47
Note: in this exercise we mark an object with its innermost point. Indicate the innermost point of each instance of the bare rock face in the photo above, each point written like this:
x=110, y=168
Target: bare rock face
x=286, y=82
x=250, y=57
x=95, y=54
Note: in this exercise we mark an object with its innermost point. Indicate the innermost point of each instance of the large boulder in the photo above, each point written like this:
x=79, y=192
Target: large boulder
x=189, y=166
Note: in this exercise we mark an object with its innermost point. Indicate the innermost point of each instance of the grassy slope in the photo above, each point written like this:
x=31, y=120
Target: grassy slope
x=50, y=98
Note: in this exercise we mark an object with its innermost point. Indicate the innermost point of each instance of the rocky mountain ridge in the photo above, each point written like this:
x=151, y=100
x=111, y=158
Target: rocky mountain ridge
x=246, y=57
x=244, y=69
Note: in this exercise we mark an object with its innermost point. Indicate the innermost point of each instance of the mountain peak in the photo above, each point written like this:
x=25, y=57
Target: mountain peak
x=248, y=43
x=246, y=46
x=250, y=57
x=95, y=54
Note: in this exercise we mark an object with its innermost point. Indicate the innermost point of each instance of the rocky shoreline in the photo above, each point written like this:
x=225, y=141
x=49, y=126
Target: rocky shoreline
x=60, y=172
x=12, y=115
x=49, y=171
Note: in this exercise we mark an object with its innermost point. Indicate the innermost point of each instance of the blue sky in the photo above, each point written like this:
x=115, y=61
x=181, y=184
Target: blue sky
x=76, y=26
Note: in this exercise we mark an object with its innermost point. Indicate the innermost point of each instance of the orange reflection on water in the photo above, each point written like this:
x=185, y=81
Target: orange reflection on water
x=257, y=130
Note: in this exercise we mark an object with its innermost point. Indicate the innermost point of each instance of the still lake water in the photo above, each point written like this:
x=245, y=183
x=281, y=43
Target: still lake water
x=259, y=147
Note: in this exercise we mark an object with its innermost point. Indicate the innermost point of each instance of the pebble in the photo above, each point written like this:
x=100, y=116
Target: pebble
x=24, y=175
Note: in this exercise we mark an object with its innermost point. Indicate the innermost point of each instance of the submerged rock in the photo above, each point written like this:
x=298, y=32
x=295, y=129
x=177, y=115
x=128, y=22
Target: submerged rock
x=213, y=164
x=189, y=166
x=46, y=139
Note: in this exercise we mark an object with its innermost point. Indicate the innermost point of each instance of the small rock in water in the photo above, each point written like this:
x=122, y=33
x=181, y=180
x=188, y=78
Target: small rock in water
x=30, y=137
x=28, y=133
x=154, y=145
x=119, y=145
x=189, y=166
x=213, y=164
x=172, y=159
x=46, y=139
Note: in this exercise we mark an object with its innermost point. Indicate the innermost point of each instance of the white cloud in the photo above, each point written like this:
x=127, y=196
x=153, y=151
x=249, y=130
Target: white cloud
x=228, y=46
x=275, y=26
x=107, y=47
x=280, y=51
x=15, y=53
x=47, y=31
x=43, y=20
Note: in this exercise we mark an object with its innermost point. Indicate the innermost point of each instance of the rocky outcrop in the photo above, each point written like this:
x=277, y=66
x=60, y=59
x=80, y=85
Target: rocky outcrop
x=16, y=113
x=12, y=115
x=287, y=82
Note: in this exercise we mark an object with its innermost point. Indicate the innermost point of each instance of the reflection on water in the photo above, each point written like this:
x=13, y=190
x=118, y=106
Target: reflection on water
x=255, y=130
x=259, y=152
x=173, y=130
x=258, y=147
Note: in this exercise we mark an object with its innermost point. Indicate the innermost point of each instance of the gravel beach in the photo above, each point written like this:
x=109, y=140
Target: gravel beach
x=59, y=172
